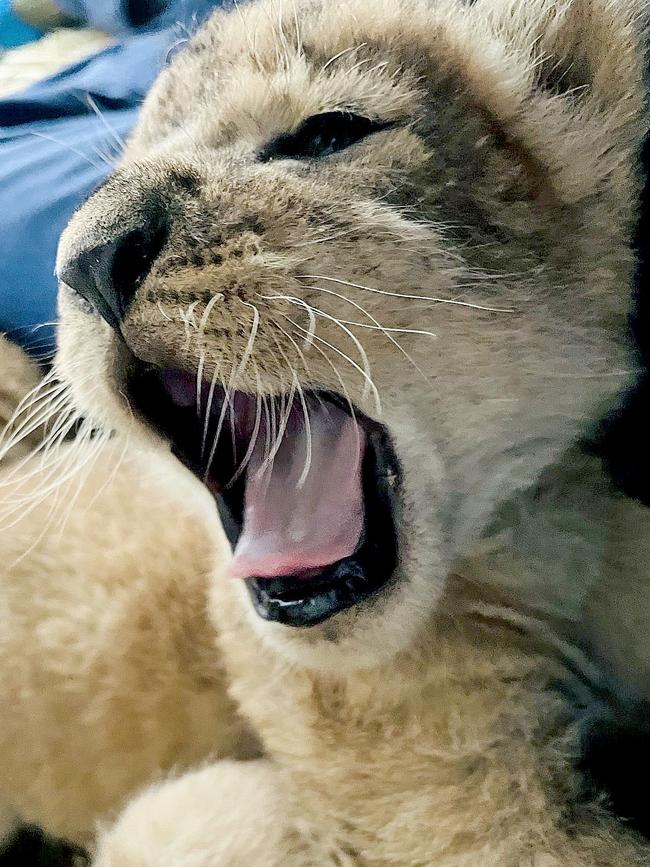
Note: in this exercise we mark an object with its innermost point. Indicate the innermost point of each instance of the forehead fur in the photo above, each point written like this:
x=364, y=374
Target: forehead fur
x=258, y=70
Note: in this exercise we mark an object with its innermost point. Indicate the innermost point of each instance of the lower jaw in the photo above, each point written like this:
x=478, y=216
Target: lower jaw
x=300, y=603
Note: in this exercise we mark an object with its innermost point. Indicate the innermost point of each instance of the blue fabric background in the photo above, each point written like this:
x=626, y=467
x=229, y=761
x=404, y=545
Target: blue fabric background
x=13, y=31
x=54, y=150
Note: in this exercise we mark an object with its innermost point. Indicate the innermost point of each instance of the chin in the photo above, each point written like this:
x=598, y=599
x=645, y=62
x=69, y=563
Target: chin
x=364, y=636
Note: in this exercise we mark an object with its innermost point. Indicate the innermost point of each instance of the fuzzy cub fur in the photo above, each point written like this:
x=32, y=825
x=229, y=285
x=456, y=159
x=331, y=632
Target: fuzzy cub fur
x=463, y=277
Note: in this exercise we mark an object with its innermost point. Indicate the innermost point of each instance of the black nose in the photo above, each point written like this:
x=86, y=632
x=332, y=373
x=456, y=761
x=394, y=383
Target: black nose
x=109, y=274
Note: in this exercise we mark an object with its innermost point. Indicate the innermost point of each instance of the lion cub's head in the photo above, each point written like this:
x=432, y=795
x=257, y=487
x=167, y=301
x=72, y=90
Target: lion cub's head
x=365, y=267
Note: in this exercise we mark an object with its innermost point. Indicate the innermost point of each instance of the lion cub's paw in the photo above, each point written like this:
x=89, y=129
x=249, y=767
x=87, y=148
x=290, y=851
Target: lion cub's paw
x=228, y=814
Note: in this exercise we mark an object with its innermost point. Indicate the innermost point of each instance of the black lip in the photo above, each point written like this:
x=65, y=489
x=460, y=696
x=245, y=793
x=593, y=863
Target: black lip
x=290, y=600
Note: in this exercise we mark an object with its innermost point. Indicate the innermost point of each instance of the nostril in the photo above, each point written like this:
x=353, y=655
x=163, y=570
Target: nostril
x=108, y=276
x=132, y=259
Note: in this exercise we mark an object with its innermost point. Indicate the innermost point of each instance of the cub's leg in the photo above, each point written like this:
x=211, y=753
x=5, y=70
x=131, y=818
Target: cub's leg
x=229, y=814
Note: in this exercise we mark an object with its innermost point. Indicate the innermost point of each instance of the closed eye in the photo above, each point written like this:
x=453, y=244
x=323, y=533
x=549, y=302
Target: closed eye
x=321, y=135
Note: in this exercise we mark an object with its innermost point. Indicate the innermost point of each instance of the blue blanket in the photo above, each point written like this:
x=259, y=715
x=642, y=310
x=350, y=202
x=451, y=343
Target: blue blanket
x=58, y=140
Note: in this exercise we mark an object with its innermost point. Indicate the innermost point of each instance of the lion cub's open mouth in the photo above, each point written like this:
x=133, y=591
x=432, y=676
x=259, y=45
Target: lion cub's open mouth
x=306, y=487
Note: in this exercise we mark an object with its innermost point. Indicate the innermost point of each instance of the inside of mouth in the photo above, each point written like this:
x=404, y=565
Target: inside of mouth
x=304, y=485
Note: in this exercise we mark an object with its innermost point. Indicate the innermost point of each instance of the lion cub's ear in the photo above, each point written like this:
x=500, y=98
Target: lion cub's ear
x=592, y=49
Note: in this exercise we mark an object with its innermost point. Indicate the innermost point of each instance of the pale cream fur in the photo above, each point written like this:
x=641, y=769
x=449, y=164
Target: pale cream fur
x=439, y=724
x=109, y=674
x=19, y=376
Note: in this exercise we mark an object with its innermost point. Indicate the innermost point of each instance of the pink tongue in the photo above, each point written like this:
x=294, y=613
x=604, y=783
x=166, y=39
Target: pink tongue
x=303, y=510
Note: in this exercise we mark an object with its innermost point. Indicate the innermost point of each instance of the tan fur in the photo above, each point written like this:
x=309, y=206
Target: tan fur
x=19, y=377
x=438, y=724
x=109, y=675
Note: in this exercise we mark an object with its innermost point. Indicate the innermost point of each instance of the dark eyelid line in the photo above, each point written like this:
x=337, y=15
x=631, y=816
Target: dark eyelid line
x=306, y=141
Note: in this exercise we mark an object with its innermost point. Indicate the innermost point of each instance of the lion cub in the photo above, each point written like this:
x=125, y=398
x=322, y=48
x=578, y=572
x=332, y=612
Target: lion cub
x=365, y=269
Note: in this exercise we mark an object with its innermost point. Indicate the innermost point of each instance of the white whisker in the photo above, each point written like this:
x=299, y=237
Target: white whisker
x=345, y=51
x=351, y=361
x=162, y=312
x=222, y=415
x=308, y=437
x=405, y=295
x=234, y=376
x=208, y=408
x=379, y=327
x=369, y=384
x=99, y=166
x=119, y=141
x=278, y=430
x=253, y=438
